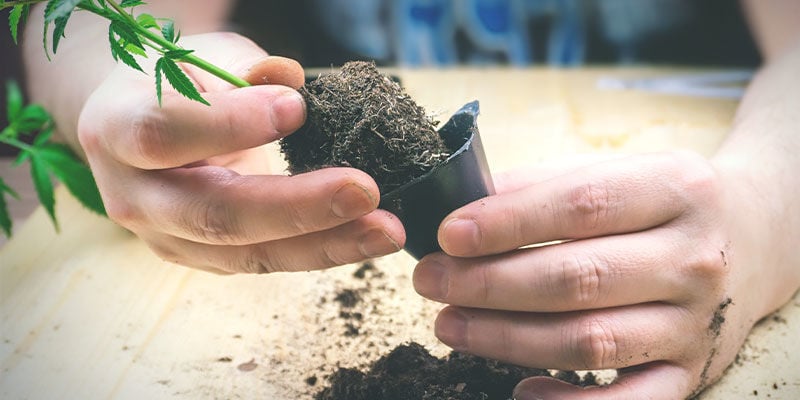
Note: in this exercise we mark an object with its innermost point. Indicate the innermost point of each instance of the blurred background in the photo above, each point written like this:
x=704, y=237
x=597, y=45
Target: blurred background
x=424, y=33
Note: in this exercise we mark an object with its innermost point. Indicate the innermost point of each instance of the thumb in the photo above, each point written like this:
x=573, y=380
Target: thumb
x=242, y=57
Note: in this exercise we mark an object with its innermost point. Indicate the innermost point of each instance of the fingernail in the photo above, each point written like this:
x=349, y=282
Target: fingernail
x=461, y=237
x=451, y=328
x=431, y=280
x=352, y=201
x=288, y=112
x=377, y=243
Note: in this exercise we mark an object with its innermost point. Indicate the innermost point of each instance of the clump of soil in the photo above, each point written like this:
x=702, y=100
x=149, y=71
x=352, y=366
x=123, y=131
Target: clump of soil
x=360, y=118
x=411, y=372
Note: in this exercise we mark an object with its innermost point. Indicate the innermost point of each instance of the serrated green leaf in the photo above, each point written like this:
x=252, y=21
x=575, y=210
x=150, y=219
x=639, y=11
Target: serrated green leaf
x=177, y=37
x=59, y=9
x=147, y=21
x=5, y=217
x=177, y=54
x=13, y=20
x=75, y=175
x=60, y=24
x=158, y=79
x=178, y=80
x=135, y=50
x=46, y=27
x=13, y=101
x=32, y=118
x=44, y=187
x=113, y=43
x=168, y=30
x=126, y=33
x=131, y=3
x=43, y=136
x=119, y=53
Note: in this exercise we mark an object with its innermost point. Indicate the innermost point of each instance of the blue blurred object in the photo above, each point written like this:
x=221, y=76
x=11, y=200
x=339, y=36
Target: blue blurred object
x=443, y=32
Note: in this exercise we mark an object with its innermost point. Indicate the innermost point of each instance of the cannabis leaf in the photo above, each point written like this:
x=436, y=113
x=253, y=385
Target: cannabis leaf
x=131, y=3
x=5, y=218
x=47, y=160
x=177, y=79
x=118, y=50
x=59, y=9
x=17, y=14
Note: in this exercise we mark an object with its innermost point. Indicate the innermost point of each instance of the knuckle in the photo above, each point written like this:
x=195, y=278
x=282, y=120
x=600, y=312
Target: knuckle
x=596, y=344
x=330, y=254
x=298, y=218
x=214, y=222
x=696, y=177
x=581, y=278
x=122, y=213
x=90, y=139
x=151, y=145
x=709, y=265
x=259, y=262
x=589, y=205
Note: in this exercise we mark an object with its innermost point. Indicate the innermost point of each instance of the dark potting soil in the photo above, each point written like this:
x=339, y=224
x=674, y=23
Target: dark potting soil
x=359, y=118
x=410, y=372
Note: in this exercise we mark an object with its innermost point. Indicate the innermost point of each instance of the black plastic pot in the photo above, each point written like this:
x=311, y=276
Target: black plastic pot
x=464, y=177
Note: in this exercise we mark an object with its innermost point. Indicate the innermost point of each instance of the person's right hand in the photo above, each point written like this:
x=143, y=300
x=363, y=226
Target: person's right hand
x=190, y=180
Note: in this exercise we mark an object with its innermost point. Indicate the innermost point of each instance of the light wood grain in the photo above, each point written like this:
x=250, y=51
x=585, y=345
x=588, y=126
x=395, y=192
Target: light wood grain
x=92, y=313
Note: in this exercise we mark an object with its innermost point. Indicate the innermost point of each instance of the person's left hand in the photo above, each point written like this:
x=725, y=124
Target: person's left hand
x=662, y=272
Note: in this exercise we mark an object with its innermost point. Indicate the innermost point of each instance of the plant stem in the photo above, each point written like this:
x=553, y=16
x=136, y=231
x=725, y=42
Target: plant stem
x=17, y=143
x=189, y=59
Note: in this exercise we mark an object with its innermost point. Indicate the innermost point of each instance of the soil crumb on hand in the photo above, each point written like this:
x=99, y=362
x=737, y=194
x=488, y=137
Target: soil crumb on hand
x=359, y=118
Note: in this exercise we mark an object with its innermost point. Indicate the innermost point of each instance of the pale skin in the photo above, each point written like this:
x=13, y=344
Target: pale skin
x=656, y=244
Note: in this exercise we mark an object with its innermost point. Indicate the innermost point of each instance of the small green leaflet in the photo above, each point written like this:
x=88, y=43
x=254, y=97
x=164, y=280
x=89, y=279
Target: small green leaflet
x=59, y=9
x=131, y=3
x=44, y=187
x=168, y=31
x=147, y=21
x=75, y=175
x=13, y=100
x=177, y=79
x=5, y=218
x=32, y=118
x=126, y=33
x=13, y=19
x=58, y=31
x=119, y=52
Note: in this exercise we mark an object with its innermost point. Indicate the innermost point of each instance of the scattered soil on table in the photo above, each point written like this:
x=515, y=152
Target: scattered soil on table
x=359, y=118
x=411, y=372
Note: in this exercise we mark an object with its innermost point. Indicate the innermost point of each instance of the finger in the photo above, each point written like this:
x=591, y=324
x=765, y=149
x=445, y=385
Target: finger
x=516, y=179
x=276, y=71
x=601, y=339
x=608, y=198
x=181, y=131
x=655, y=381
x=376, y=234
x=586, y=274
x=214, y=205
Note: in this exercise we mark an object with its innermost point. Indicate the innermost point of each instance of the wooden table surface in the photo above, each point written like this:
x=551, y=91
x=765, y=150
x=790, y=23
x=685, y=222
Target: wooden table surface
x=92, y=313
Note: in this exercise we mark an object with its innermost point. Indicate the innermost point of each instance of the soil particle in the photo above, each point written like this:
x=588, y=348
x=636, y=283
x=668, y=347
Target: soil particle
x=719, y=318
x=359, y=118
x=347, y=298
x=248, y=366
x=409, y=371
